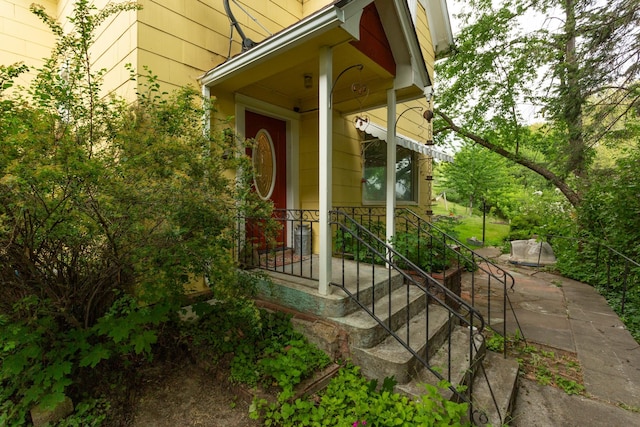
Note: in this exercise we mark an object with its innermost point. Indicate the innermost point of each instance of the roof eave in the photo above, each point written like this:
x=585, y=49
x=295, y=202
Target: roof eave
x=313, y=26
x=440, y=27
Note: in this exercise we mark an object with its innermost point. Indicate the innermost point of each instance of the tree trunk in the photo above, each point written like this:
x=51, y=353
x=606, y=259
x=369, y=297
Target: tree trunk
x=571, y=95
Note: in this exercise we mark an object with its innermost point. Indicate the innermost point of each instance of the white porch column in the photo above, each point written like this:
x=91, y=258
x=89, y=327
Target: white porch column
x=325, y=145
x=391, y=164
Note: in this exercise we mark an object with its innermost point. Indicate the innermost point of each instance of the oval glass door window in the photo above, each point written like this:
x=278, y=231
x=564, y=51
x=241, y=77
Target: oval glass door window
x=264, y=164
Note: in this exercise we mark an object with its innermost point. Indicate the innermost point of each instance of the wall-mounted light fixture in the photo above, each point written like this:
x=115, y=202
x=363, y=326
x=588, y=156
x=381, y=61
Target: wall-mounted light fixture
x=308, y=81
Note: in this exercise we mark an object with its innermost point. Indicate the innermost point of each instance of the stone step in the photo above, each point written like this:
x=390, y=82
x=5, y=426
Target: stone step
x=391, y=359
x=502, y=375
x=301, y=293
x=365, y=332
x=454, y=369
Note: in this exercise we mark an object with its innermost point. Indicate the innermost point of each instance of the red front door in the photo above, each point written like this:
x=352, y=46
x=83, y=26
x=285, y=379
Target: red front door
x=269, y=158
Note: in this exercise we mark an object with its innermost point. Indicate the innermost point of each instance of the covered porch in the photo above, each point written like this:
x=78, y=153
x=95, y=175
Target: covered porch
x=300, y=90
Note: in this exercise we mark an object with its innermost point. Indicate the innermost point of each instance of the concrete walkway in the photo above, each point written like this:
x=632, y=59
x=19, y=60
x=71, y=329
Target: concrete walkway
x=570, y=315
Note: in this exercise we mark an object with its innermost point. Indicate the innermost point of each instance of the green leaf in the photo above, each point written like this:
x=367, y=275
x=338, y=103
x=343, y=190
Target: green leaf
x=142, y=342
x=95, y=356
x=51, y=400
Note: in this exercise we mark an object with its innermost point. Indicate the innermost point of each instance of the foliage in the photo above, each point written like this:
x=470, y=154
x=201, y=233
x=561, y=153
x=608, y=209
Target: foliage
x=548, y=366
x=350, y=400
x=574, y=72
x=41, y=359
x=361, y=245
x=107, y=209
x=264, y=346
x=542, y=213
x=477, y=175
x=89, y=413
x=422, y=251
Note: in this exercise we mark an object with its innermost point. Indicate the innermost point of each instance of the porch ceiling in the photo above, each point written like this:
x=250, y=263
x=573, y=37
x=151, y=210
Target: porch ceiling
x=274, y=70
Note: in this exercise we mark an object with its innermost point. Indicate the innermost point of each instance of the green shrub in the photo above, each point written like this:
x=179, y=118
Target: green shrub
x=263, y=345
x=350, y=400
x=423, y=252
x=41, y=358
x=106, y=206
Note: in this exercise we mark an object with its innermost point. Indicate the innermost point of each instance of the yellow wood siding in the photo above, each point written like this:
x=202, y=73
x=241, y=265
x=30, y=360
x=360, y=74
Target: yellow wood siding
x=424, y=36
x=311, y=6
x=23, y=36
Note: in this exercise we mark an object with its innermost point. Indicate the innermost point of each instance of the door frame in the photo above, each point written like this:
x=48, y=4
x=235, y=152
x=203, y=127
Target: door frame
x=292, y=121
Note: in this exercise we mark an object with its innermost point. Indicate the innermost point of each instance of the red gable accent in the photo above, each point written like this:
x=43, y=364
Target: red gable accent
x=373, y=40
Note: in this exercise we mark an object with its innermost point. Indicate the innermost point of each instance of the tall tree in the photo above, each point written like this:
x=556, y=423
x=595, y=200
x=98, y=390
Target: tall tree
x=476, y=174
x=578, y=71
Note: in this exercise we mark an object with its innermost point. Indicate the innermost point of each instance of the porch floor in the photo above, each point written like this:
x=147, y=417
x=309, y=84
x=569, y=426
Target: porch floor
x=295, y=285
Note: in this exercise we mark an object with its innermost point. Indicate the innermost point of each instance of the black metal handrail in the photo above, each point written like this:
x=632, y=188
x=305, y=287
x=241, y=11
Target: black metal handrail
x=371, y=251
x=495, y=276
x=281, y=243
x=620, y=274
x=436, y=249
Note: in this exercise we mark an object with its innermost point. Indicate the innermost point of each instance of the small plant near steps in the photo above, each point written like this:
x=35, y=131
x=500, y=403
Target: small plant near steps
x=352, y=400
x=542, y=364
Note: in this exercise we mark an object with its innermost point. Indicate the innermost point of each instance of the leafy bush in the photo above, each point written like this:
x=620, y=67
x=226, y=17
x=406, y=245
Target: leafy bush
x=107, y=209
x=41, y=358
x=264, y=346
x=355, y=243
x=421, y=251
x=350, y=400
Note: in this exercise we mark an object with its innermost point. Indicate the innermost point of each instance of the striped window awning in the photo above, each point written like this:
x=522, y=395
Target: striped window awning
x=380, y=132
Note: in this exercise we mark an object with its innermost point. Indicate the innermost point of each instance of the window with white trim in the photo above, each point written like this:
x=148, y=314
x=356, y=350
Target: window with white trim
x=375, y=173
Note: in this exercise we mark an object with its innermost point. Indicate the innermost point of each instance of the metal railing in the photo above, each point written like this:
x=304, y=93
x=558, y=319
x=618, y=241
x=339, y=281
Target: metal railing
x=488, y=281
x=356, y=243
x=432, y=249
x=613, y=273
x=282, y=243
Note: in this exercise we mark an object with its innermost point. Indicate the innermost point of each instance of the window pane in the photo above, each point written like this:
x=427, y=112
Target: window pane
x=375, y=159
x=404, y=175
x=375, y=167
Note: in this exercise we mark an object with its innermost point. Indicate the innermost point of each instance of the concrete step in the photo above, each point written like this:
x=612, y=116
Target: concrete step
x=390, y=358
x=502, y=375
x=365, y=332
x=301, y=294
x=455, y=369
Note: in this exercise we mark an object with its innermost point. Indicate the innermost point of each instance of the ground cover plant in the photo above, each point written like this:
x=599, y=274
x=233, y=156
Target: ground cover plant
x=108, y=209
x=540, y=363
x=352, y=400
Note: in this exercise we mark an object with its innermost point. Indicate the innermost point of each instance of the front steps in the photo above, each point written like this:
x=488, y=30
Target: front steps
x=407, y=314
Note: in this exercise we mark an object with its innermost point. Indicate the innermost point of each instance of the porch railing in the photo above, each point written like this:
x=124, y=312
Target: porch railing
x=354, y=242
x=432, y=249
x=282, y=243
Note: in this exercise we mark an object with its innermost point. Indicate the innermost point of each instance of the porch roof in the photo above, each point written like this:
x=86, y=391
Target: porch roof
x=275, y=68
x=380, y=132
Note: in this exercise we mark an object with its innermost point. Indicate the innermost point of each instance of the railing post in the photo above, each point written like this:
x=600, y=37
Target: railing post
x=624, y=286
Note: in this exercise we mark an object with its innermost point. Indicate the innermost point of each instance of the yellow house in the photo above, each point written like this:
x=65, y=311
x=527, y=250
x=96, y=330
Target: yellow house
x=321, y=86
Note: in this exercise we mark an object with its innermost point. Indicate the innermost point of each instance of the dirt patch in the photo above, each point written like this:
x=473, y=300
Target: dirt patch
x=190, y=395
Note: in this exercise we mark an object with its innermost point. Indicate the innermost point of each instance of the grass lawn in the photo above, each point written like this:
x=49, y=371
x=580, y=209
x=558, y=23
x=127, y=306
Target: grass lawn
x=471, y=226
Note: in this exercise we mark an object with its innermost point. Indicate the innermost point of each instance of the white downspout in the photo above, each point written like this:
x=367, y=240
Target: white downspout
x=391, y=166
x=325, y=146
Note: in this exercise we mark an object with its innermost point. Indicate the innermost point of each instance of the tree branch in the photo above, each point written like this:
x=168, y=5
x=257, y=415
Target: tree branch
x=572, y=196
